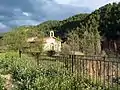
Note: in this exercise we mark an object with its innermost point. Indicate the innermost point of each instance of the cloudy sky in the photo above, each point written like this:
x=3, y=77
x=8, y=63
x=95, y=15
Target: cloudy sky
x=93, y=4
x=31, y=12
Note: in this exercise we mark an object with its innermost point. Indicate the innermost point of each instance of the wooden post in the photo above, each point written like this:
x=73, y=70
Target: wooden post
x=37, y=57
x=20, y=53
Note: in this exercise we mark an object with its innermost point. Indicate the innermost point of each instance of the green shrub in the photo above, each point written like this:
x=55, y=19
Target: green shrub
x=48, y=75
x=1, y=84
x=22, y=69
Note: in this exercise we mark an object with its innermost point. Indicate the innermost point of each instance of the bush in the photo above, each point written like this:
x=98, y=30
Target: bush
x=1, y=84
x=48, y=75
x=22, y=69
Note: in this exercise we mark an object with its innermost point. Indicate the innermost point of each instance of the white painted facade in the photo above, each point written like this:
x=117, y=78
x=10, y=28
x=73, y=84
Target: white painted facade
x=51, y=43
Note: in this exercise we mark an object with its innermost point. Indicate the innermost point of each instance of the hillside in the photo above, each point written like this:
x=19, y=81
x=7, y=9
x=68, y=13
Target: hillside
x=62, y=27
x=106, y=20
x=48, y=25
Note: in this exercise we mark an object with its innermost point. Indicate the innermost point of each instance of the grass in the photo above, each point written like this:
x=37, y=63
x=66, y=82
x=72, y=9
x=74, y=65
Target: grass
x=48, y=75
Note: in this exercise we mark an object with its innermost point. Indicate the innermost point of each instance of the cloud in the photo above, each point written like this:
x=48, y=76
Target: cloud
x=111, y=1
x=3, y=27
x=64, y=1
x=23, y=22
x=50, y=9
x=31, y=12
x=26, y=14
x=87, y=3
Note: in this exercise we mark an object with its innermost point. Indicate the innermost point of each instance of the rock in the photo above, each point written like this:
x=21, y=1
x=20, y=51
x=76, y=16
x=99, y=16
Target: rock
x=8, y=81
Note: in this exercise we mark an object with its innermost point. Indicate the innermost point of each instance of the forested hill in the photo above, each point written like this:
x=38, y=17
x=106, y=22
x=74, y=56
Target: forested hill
x=61, y=27
x=105, y=19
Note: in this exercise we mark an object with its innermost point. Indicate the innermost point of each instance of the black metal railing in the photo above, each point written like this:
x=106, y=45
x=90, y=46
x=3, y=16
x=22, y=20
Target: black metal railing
x=98, y=71
x=101, y=71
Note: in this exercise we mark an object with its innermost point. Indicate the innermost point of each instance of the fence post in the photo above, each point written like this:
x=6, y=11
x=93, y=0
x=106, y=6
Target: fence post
x=37, y=57
x=20, y=53
x=72, y=62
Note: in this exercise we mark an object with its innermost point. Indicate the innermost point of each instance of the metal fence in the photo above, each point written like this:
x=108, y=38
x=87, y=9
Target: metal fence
x=97, y=70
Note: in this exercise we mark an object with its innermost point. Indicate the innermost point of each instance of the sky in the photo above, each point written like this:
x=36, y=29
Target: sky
x=32, y=12
x=93, y=4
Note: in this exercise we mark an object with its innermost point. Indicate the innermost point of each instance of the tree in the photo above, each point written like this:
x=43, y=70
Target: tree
x=17, y=39
x=14, y=40
x=88, y=43
x=73, y=41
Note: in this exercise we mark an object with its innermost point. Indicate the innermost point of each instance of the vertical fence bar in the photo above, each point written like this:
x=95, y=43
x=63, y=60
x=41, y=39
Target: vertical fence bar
x=92, y=71
x=63, y=62
x=67, y=62
x=66, y=66
x=108, y=75
x=89, y=68
x=80, y=68
x=117, y=73
x=75, y=65
x=83, y=68
x=86, y=68
x=72, y=63
x=96, y=67
x=104, y=73
x=112, y=74
x=99, y=73
x=80, y=71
